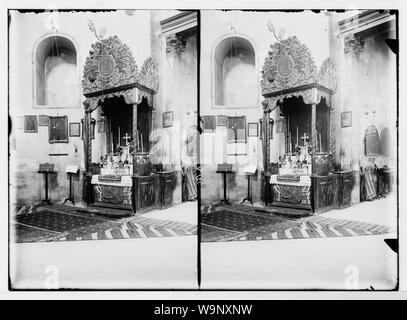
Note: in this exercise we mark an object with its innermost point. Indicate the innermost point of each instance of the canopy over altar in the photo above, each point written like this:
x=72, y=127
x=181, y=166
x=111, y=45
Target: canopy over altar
x=111, y=72
x=291, y=82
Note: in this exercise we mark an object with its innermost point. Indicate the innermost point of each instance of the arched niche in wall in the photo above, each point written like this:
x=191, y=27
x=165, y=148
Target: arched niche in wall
x=235, y=78
x=55, y=71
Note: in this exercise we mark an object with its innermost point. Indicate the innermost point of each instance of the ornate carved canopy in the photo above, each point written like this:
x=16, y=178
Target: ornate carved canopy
x=110, y=70
x=289, y=70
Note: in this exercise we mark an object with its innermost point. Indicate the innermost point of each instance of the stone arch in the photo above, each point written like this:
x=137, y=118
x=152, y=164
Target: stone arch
x=55, y=73
x=234, y=56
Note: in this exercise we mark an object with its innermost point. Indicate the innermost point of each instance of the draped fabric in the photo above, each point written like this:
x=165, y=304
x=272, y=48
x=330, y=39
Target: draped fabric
x=368, y=182
x=189, y=186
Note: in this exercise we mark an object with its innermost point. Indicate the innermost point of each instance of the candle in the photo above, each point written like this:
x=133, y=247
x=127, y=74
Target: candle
x=141, y=138
x=289, y=141
x=118, y=137
x=320, y=146
x=297, y=135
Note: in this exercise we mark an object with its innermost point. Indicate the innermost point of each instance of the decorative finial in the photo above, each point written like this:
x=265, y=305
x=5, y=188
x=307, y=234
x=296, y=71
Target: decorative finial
x=273, y=31
x=92, y=28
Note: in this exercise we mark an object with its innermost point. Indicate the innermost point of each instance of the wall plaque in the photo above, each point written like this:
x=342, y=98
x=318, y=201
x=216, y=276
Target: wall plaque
x=252, y=129
x=74, y=129
x=43, y=120
x=346, y=119
x=30, y=124
x=221, y=121
x=168, y=119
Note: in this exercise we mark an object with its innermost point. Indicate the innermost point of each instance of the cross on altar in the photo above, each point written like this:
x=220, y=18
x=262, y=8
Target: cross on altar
x=304, y=138
x=127, y=138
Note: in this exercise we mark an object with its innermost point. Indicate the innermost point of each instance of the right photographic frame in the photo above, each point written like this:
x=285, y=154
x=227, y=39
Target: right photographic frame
x=310, y=203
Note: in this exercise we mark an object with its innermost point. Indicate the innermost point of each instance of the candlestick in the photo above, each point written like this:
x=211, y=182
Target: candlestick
x=297, y=135
x=289, y=140
x=141, y=138
x=320, y=145
x=118, y=137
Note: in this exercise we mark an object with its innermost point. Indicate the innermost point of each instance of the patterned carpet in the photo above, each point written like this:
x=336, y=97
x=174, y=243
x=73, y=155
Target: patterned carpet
x=56, y=221
x=21, y=233
x=243, y=222
x=236, y=221
x=63, y=223
x=210, y=233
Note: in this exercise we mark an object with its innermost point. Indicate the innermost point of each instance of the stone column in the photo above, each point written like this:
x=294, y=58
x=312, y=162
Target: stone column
x=266, y=140
x=314, y=136
x=135, y=138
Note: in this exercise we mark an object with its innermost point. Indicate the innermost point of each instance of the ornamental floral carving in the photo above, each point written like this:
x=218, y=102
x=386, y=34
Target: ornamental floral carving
x=148, y=75
x=354, y=45
x=110, y=64
x=289, y=64
x=175, y=44
x=310, y=96
x=327, y=74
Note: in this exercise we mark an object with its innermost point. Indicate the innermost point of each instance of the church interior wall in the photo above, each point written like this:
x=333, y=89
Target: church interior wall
x=178, y=95
x=28, y=150
x=215, y=27
x=367, y=87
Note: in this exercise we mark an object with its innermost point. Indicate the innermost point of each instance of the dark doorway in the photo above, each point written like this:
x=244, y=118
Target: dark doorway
x=119, y=120
x=298, y=117
x=143, y=126
x=322, y=126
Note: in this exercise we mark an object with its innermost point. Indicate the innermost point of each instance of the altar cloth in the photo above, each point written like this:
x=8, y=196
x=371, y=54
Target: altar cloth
x=305, y=180
x=125, y=182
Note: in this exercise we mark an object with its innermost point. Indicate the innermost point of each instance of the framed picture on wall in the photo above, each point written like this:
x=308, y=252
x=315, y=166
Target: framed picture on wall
x=58, y=129
x=346, y=119
x=221, y=121
x=208, y=123
x=75, y=129
x=43, y=120
x=237, y=129
x=252, y=129
x=30, y=124
x=168, y=119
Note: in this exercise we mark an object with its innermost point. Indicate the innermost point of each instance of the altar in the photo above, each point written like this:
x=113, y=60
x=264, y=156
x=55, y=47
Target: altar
x=300, y=98
x=123, y=177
